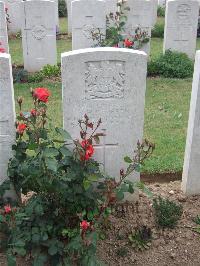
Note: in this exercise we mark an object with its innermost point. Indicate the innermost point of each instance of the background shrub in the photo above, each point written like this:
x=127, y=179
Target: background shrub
x=158, y=30
x=171, y=65
x=62, y=9
x=167, y=212
x=161, y=11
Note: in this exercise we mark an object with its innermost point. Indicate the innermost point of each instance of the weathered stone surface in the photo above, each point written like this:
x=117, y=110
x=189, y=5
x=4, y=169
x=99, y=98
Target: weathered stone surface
x=181, y=21
x=155, y=8
x=106, y=83
x=3, y=28
x=15, y=13
x=39, y=34
x=191, y=169
x=87, y=16
x=162, y=3
x=141, y=15
x=111, y=6
x=69, y=15
x=7, y=114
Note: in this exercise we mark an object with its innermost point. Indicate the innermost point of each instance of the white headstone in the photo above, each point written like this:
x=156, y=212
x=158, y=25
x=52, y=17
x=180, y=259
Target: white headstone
x=191, y=169
x=155, y=8
x=87, y=16
x=39, y=34
x=69, y=15
x=106, y=83
x=3, y=28
x=111, y=6
x=15, y=13
x=140, y=15
x=7, y=114
x=181, y=21
x=162, y=3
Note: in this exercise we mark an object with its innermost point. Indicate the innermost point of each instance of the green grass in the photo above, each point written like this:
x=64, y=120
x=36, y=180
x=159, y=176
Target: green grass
x=166, y=115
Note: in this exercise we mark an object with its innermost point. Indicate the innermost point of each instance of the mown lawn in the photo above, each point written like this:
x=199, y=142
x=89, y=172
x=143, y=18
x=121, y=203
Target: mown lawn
x=166, y=111
x=166, y=115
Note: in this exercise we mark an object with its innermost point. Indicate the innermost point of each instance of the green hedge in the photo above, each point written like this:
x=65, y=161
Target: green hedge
x=171, y=65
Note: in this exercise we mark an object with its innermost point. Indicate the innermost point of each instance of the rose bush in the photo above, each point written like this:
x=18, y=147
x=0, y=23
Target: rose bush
x=115, y=29
x=71, y=197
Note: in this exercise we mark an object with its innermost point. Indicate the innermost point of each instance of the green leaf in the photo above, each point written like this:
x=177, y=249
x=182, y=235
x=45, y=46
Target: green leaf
x=51, y=164
x=65, y=151
x=127, y=159
x=11, y=260
x=1, y=218
x=50, y=152
x=120, y=195
x=52, y=250
x=39, y=260
x=63, y=133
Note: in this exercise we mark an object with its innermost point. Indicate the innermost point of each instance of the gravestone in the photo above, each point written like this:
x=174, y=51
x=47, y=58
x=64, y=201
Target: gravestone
x=39, y=34
x=155, y=8
x=162, y=3
x=181, y=21
x=7, y=114
x=140, y=15
x=191, y=168
x=15, y=13
x=69, y=15
x=87, y=16
x=106, y=83
x=3, y=28
x=111, y=6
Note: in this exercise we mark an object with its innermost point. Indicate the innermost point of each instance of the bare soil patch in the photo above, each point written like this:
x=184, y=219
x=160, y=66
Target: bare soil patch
x=179, y=246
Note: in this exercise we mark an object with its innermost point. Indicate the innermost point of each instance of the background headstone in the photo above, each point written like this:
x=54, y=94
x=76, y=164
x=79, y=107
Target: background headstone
x=162, y=3
x=140, y=15
x=106, y=83
x=7, y=114
x=111, y=6
x=15, y=13
x=69, y=15
x=191, y=169
x=155, y=8
x=39, y=34
x=87, y=16
x=181, y=19
x=3, y=28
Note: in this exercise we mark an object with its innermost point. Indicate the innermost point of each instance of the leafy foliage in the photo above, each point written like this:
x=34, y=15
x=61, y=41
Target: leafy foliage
x=115, y=28
x=171, y=65
x=70, y=198
x=141, y=238
x=62, y=8
x=167, y=212
x=158, y=31
x=161, y=11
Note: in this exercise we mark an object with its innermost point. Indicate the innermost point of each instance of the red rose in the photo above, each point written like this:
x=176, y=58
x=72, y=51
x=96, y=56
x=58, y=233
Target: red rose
x=7, y=209
x=89, y=150
x=33, y=112
x=2, y=50
x=84, y=225
x=42, y=94
x=21, y=128
x=128, y=43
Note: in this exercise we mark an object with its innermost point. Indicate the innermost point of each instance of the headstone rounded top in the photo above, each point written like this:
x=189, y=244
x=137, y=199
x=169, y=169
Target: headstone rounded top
x=103, y=49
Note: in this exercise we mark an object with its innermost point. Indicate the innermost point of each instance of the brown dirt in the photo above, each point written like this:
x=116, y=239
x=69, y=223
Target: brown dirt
x=179, y=246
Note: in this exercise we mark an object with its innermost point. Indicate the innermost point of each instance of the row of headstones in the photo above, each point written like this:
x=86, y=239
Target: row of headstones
x=38, y=26
x=106, y=83
x=39, y=33
x=15, y=12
